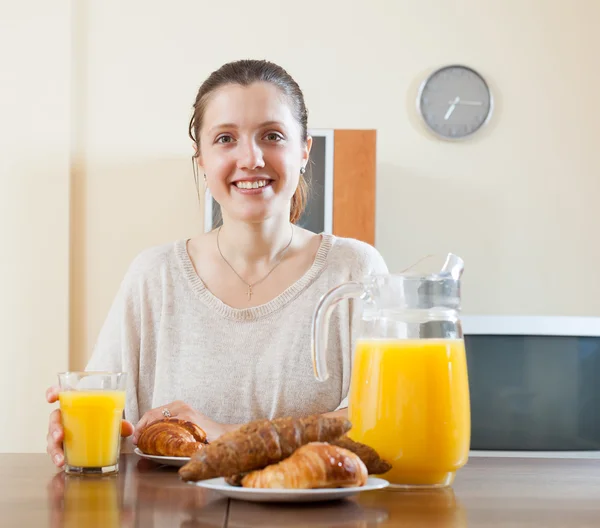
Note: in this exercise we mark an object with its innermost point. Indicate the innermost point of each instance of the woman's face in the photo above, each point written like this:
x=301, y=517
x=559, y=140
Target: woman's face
x=251, y=150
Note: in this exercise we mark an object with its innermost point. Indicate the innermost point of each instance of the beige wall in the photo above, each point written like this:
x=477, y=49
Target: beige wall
x=519, y=202
x=34, y=214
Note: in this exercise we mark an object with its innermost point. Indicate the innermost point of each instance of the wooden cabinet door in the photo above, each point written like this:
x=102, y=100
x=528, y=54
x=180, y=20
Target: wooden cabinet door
x=354, y=168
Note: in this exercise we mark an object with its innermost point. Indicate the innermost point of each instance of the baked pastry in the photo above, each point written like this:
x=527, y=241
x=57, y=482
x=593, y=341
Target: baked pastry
x=171, y=437
x=259, y=444
x=314, y=465
x=374, y=463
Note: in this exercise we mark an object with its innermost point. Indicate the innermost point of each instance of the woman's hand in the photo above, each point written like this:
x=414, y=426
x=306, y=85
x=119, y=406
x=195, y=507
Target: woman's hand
x=182, y=411
x=56, y=433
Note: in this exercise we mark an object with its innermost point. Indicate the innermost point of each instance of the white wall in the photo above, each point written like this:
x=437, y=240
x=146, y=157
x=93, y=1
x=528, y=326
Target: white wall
x=518, y=202
x=34, y=214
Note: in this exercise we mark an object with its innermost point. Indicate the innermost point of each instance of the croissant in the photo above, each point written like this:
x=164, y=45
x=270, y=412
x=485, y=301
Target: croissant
x=236, y=480
x=314, y=465
x=260, y=443
x=374, y=463
x=171, y=437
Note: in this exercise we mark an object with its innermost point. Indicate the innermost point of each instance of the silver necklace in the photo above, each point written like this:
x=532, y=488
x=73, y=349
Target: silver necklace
x=251, y=285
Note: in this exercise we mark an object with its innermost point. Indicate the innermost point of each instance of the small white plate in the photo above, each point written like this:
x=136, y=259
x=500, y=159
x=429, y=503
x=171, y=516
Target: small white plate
x=165, y=460
x=287, y=495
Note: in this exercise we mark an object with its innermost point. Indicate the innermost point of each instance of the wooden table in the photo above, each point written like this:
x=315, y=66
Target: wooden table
x=502, y=492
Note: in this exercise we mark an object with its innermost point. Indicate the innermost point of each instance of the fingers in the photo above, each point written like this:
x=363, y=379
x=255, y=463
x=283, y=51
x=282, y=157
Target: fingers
x=55, y=418
x=55, y=430
x=144, y=420
x=175, y=408
x=55, y=438
x=126, y=428
x=147, y=419
x=52, y=394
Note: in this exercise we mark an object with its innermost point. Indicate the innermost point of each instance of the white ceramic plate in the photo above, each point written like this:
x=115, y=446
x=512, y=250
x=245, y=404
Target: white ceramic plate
x=165, y=460
x=287, y=495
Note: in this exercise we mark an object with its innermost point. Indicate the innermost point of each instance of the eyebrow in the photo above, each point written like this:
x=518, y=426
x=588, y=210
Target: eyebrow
x=233, y=125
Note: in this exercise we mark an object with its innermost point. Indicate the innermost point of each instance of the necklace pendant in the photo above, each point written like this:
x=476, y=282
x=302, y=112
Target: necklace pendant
x=249, y=292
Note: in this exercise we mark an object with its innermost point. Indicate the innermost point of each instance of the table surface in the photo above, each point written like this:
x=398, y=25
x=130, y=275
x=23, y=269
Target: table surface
x=488, y=492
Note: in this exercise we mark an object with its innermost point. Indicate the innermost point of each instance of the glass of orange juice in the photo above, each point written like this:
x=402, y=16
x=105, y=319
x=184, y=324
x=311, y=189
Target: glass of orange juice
x=409, y=390
x=92, y=405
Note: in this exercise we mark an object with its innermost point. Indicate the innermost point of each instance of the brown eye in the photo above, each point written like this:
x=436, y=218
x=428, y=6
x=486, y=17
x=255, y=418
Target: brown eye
x=225, y=139
x=274, y=136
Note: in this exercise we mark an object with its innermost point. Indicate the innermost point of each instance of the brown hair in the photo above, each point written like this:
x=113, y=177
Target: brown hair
x=245, y=73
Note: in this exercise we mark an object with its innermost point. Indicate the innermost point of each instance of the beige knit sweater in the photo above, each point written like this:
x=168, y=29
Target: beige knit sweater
x=177, y=341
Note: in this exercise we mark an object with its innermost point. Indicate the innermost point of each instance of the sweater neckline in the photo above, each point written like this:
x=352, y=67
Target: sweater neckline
x=262, y=310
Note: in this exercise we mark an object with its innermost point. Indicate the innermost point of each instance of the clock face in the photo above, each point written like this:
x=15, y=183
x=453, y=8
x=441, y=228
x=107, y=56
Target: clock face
x=455, y=102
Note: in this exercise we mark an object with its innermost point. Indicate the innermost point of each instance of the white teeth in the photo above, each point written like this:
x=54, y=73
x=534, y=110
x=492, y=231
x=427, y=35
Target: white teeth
x=251, y=184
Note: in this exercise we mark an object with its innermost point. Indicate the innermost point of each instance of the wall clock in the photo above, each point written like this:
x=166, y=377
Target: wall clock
x=455, y=102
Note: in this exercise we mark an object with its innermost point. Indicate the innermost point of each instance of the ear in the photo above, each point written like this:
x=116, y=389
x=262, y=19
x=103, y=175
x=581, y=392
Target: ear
x=306, y=150
x=197, y=156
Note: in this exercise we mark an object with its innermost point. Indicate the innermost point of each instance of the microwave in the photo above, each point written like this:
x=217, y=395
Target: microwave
x=534, y=385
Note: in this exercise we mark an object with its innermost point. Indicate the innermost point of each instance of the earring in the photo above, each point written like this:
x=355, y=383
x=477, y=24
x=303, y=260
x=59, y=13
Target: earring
x=205, y=178
x=302, y=170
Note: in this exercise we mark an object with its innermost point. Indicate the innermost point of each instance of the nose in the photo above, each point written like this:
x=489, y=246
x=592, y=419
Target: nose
x=250, y=156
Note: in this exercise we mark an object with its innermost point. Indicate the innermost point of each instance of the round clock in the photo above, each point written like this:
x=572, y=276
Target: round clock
x=455, y=102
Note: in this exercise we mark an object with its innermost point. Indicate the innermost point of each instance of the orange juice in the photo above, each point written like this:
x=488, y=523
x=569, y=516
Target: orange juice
x=92, y=424
x=409, y=400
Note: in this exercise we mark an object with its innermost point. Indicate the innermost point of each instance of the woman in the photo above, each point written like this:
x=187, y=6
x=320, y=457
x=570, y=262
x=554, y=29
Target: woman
x=216, y=329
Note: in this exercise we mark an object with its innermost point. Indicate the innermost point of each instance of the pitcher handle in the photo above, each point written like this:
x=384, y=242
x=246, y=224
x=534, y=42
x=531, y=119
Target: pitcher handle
x=320, y=323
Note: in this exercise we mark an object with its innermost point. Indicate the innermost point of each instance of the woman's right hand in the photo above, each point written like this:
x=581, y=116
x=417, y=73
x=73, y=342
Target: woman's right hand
x=55, y=431
x=55, y=436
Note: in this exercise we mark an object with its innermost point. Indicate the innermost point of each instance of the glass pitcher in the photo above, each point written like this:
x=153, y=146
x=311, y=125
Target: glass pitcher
x=409, y=391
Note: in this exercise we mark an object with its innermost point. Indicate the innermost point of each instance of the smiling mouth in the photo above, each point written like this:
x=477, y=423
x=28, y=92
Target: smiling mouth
x=255, y=184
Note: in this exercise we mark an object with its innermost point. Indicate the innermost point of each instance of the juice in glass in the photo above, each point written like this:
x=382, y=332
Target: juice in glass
x=92, y=412
x=409, y=400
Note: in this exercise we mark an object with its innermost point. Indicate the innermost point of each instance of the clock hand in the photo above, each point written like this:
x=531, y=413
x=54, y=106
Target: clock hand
x=452, y=107
x=449, y=112
x=467, y=103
